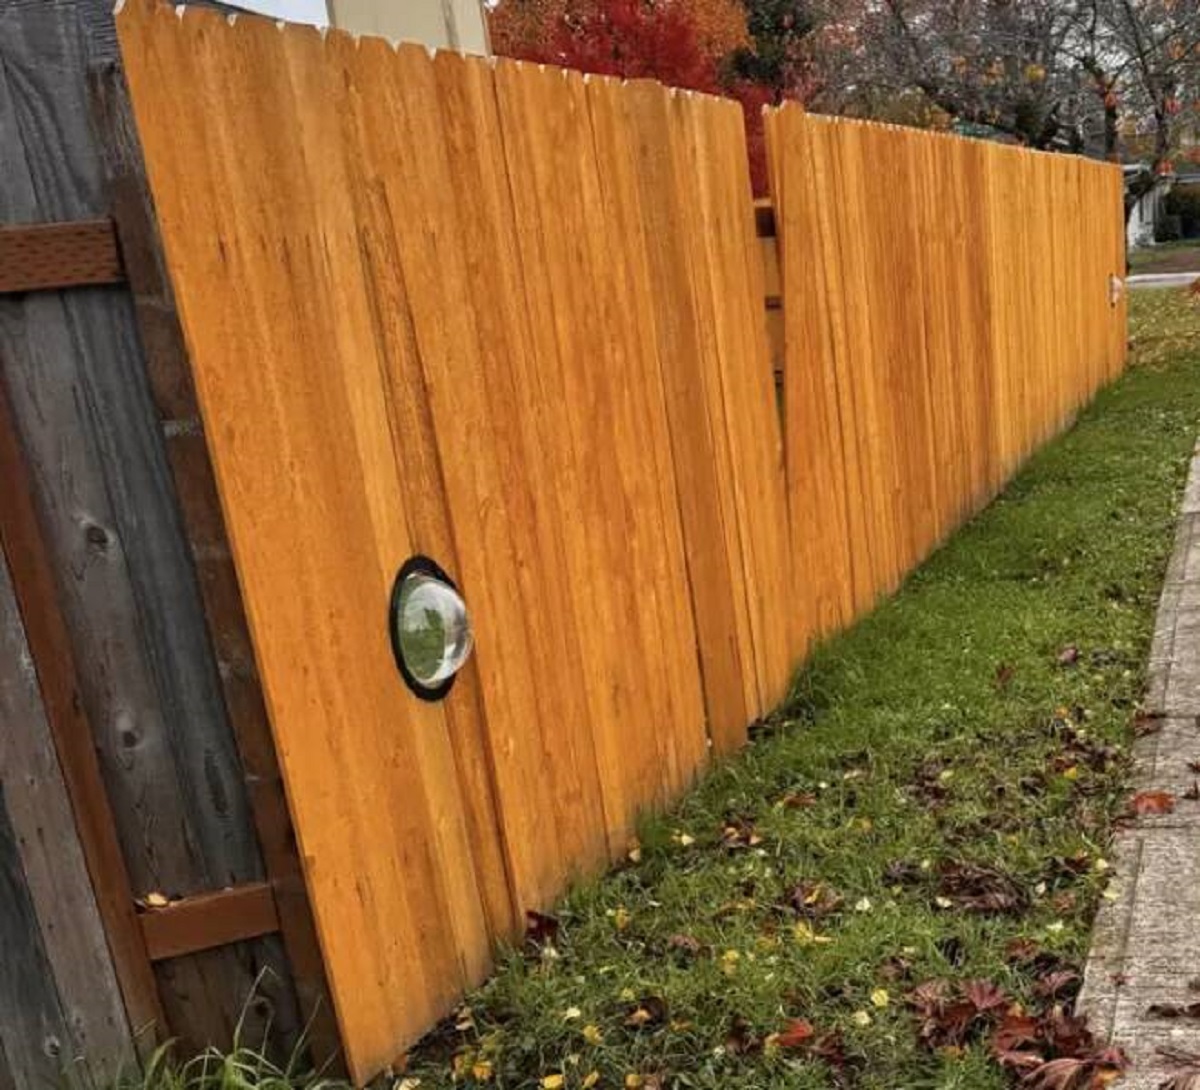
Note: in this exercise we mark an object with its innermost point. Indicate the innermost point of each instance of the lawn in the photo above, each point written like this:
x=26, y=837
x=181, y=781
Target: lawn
x=932, y=804
x=1167, y=257
x=931, y=808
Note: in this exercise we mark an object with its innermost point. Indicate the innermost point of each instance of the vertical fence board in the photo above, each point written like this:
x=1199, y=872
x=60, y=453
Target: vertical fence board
x=46, y=859
x=147, y=678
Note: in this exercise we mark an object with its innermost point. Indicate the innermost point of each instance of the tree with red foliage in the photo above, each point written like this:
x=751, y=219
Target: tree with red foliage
x=700, y=45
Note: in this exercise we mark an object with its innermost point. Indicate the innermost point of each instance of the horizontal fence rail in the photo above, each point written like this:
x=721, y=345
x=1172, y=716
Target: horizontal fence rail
x=512, y=318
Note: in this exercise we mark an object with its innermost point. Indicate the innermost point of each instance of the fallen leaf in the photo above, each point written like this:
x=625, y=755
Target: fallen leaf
x=553, y=1082
x=685, y=944
x=651, y=1010
x=1145, y=723
x=976, y=888
x=1174, y=1010
x=739, y=833
x=1054, y=984
x=984, y=996
x=1187, y=1077
x=741, y=1040
x=590, y=1080
x=798, y=800
x=814, y=900
x=156, y=900
x=1065, y=1073
x=1153, y=802
x=1068, y=656
x=1004, y=676
x=540, y=929
x=880, y=998
x=796, y=1034
x=592, y=1034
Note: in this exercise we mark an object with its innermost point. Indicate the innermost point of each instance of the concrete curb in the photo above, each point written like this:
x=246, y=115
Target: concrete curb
x=1146, y=942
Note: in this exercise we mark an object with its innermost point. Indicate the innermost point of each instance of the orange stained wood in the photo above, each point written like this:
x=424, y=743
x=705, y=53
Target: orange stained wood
x=725, y=660
x=946, y=314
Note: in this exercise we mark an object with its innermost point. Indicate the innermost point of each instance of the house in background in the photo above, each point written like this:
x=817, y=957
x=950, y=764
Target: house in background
x=1143, y=223
x=440, y=24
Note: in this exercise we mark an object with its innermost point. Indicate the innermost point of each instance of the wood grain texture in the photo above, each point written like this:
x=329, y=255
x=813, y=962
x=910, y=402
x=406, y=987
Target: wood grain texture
x=209, y=920
x=49, y=654
x=56, y=968
x=59, y=255
x=436, y=365
x=105, y=497
x=943, y=319
x=174, y=396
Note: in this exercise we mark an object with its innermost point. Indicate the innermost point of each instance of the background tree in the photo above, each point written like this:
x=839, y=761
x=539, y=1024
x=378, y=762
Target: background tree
x=1112, y=78
x=752, y=52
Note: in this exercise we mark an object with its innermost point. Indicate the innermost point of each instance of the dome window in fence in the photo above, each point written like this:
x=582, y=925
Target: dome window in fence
x=430, y=628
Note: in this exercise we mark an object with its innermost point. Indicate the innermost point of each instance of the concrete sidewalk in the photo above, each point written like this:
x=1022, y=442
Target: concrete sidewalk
x=1162, y=280
x=1146, y=944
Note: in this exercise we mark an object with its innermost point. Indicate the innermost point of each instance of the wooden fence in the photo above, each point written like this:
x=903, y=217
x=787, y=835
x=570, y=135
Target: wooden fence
x=512, y=318
x=504, y=316
x=948, y=305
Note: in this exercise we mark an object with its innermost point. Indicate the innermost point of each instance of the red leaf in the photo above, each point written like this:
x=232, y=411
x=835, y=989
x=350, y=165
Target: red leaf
x=1153, y=802
x=984, y=996
x=798, y=1034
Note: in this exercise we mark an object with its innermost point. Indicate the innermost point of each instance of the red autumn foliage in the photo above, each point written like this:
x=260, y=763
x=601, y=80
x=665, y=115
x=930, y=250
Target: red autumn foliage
x=679, y=44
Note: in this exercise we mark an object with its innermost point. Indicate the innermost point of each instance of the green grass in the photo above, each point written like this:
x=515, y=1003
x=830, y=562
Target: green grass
x=933, y=733
x=1179, y=256
x=944, y=729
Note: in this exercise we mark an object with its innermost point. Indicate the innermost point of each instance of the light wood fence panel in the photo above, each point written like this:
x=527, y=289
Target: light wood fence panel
x=433, y=305
x=944, y=317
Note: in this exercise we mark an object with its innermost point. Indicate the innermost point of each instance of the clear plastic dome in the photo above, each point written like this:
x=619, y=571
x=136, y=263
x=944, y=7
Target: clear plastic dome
x=433, y=630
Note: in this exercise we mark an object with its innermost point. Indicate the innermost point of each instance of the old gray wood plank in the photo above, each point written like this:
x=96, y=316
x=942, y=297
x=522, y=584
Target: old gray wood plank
x=75, y=375
x=75, y=356
x=33, y=1030
x=51, y=858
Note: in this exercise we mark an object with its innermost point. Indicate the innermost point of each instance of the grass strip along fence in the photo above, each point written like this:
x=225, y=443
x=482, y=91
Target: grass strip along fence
x=512, y=318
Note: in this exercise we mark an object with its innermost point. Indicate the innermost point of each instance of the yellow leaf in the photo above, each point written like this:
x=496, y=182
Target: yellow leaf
x=729, y=962
x=571, y=1014
x=622, y=917
x=806, y=936
x=156, y=900
x=861, y=1018
x=1071, y=773
x=553, y=1082
x=880, y=998
x=481, y=1070
x=590, y=1079
x=633, y=1081
x=592, y=1035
